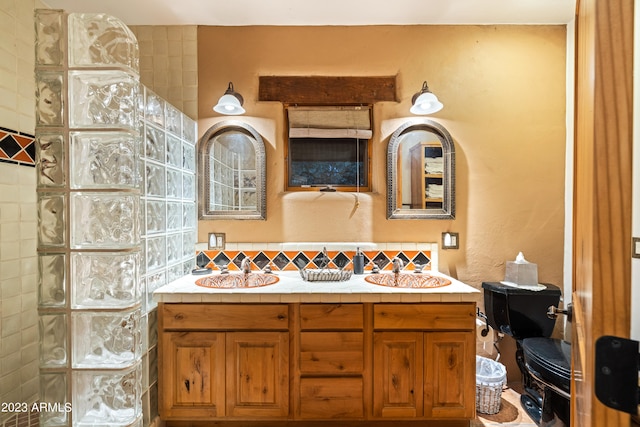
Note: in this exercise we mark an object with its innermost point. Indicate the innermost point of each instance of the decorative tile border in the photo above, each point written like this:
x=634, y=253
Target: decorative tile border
x=292, y=257
x=17, y=147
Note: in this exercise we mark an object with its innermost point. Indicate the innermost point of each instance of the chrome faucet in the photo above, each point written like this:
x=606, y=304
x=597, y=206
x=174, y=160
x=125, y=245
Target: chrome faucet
x=397, y=265
x=245, y=265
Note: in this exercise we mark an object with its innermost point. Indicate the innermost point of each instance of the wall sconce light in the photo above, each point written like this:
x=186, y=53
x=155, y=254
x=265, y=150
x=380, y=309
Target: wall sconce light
x=425, y=102
x=230, y=103
x=450, y=240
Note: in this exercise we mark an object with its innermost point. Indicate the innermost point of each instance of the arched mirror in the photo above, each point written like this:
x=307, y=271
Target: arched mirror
x=231, y=178
x=421, y=172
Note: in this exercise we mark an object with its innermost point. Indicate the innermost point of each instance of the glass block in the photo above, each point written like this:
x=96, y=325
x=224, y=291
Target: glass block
x=187, y=265
x=153, y=401
x=49, y=33
x=156, y=216
x=108, y=220
x=146, y=412
x=174, y=183
x=188, y=157
x=188, y=244
x=105, y=280
x=154, y=281
x=143, y=256
x=152, y=328
x=145, y=371
x=154, y=108
x=174, y=151
x=174, y=216
x=188, y=186
x=189, y=215
x=106, y=339
x=144, y=333
x=156, y=253
x=53, y=340
x=53, y=391
x=52, y=280
x=107, y=398
x=173, y=118
x=175, y=271
x=174, y=248
x=51, y=220
x=189, y=129
x=50, y=158
x=153, y=364
x=100, y=99
x=154, y=180
x=143, y=216
x=104, y=159
x=49, y=90
x=98, y=40
x=154, y=143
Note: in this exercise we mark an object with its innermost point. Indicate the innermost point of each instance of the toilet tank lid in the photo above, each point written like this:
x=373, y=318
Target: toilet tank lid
x=512, y=290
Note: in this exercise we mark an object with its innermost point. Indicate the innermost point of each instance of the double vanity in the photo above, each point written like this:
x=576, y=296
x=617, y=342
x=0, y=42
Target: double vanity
x=298, y=352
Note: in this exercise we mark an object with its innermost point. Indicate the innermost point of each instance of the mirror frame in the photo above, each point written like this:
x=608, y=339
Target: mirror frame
x=204, y=173
x=448, y=150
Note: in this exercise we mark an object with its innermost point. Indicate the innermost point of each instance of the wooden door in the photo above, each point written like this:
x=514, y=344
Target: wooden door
x=602, y=195
x=258, y=374
x=192, y=375
x=449, y=378
x=398, y=367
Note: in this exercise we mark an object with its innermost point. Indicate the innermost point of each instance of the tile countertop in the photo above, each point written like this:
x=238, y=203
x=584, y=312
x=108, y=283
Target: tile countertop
x=291, y=289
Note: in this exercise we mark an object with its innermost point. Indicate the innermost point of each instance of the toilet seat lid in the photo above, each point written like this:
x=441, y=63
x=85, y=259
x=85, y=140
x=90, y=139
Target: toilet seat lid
x=550, y=358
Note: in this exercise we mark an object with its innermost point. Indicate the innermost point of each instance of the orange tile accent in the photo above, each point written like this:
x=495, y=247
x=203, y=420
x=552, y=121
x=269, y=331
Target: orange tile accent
x=23, y=141
x=22, y=156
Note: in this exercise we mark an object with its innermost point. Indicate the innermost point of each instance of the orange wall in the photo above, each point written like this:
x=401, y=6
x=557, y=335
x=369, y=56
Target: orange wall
x=503, y=88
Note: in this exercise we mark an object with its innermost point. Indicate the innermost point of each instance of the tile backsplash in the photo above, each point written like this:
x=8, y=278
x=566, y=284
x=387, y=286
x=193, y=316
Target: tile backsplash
x=294, y=256
x=17, y=147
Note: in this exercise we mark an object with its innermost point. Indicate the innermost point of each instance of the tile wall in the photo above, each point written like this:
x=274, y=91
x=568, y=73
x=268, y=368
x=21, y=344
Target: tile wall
x=169, y=63
x=18, y=262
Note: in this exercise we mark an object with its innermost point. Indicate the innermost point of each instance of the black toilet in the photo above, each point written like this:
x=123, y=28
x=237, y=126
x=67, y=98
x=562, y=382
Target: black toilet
x=545, y=363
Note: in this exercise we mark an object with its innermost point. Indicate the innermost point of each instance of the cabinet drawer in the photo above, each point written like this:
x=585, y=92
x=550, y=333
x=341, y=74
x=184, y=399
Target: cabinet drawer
x=331, y=352
x=437, y=316
x=331, y=316
x=198, y=317
x=327, y=398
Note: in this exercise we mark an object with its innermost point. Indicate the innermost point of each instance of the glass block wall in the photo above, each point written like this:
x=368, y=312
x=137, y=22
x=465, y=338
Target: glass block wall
x=168, y=220
x=113, y=163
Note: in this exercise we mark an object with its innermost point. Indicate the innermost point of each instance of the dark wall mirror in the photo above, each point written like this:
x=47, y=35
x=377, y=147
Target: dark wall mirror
x=231, y=175
x=421, y=172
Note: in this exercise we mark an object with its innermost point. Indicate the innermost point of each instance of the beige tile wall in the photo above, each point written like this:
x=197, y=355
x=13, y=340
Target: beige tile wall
x=18, y=261
x=169, y=64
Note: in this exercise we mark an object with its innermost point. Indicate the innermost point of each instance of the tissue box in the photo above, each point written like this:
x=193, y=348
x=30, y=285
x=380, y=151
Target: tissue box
x=524, y=274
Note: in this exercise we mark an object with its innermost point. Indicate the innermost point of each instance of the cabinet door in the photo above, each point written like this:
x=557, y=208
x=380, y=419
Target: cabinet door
x=449, y=384
x=192, y=375
x=397, y=384
x=257, y=374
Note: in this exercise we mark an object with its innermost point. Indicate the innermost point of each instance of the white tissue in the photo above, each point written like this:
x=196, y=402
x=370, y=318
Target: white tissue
x=520, y=259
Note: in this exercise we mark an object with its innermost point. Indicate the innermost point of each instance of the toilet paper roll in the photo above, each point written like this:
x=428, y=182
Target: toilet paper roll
x=480, y=325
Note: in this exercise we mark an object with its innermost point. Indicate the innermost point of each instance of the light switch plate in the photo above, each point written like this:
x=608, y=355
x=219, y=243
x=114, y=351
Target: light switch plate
x=216, y=241
x=450, y=240
x=635, y=249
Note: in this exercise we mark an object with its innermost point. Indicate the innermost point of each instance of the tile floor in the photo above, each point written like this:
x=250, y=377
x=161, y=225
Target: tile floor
x=511, y=413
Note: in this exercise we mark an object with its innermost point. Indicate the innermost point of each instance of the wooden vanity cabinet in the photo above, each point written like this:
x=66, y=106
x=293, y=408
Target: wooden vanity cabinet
x=224, y=361
x=330, y=378
x=303, y=361
x=424, y=361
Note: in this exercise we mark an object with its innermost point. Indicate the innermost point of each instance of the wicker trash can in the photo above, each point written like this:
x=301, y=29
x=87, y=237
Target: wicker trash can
x=490, y=379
